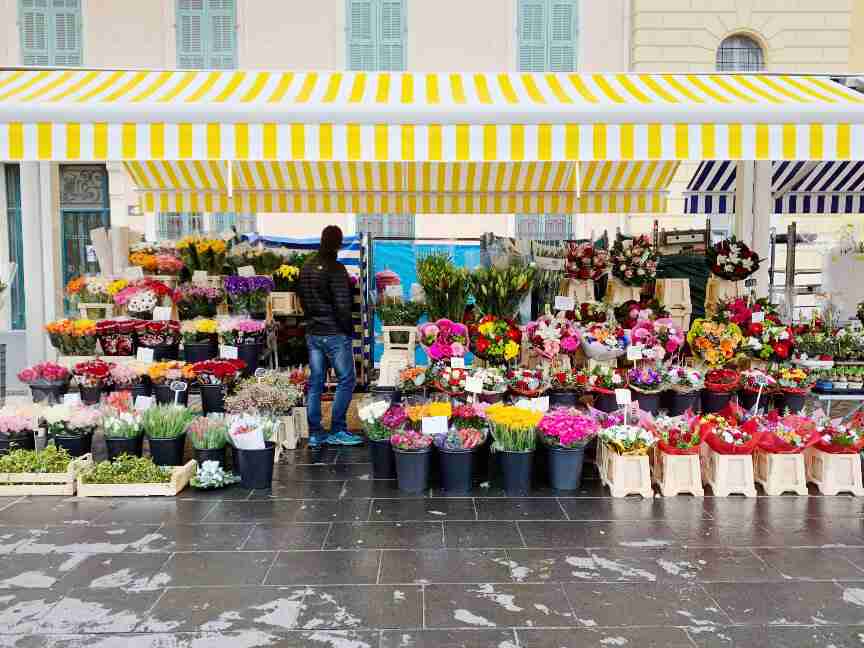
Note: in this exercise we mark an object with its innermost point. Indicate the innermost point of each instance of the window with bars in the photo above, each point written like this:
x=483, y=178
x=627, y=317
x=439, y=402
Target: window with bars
x=548, y=32
x=50, y=32
x=207, y=34
x=740, y=53
x=172, y=226
x=544, y=227
x=376, y=35
x=401, y=225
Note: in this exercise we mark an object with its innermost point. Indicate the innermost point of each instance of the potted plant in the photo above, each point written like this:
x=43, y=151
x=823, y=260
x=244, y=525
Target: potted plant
x=116, y=336
x=248, y=336
x=122, y=426
x=514, y=431
x=141, y=296
x=163, y=374
x=855, y=377
x=197, y=300
x=602, y=382
x=399, y=313
x=93, y=378
x=565, y=433
x=793, y=385
x=273, y=395
x=200, y=340
x=413, y=454
x=720, y=384
x=17, y=431
x=214, y=378
x=251, y=435
x=446, y=287
x=647, y=384
x=209, y=436
x=73, y=337
x=459, y=448
x=495, y=340
x=684, y=387
x=72, y=427
x=47, y=381
x=380, y=421
x=285, y=278
x=165, y=428
x=756, y=385
x=163, y=337
x=418, y=410
x=248, y=295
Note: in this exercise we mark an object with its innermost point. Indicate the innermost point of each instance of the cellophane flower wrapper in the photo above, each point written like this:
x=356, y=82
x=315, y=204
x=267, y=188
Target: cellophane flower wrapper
x=826, y=445
x=712, y=436
x=666, y=427
x=608, y=347
x=246, y=432
x=770, y=441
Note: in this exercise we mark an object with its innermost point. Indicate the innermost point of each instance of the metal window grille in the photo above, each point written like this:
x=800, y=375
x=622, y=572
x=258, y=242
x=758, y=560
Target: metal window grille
x=740, y=53
x=557, y=227
x=386, y=225
x=172, y=226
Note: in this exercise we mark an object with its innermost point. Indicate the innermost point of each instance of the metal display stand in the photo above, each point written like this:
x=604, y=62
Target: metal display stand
x=790, y=289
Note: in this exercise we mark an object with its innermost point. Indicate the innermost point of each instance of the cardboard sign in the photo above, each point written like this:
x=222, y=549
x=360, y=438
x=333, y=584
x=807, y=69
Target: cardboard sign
x=72, y=399
x=623, y=396
x=144, y=355
x=246, y=271
x=227, y=352
x=457, y=363
x=162, y=313
x=91, y=254
x=434, y=425
x=563, y=303
x=199, y=276
x=134, y=272
x=474, y=386
x=143, y=403
x=757, y=317
x=634, y=352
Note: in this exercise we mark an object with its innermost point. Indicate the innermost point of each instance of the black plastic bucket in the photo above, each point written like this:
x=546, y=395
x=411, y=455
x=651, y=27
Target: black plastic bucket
x=457, y=469
x=516, y=470
x=164, y=395
x=793, y=402
x=678, y=403
x=250, y=354
x=116, y=447
x=77, y=446
x=647, y=402
x=165, y=352
x=383, y=461
x=48, y=394
x=412, y=469
x=212, y=399
x=167, y=452
x=90, y=395
x=714, y=401
x=199, y=351
x=17, y=441
x=140, y=389
x=605, y=402
x=256, y=466
x=209, y=454
x=563, y=399
x=565, y=467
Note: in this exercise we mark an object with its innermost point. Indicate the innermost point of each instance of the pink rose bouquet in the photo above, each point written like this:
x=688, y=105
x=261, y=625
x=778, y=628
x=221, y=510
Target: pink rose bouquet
x=46, y=373
x=443, y=339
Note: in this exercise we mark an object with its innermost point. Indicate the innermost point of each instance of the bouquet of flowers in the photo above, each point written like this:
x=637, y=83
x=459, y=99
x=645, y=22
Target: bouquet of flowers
x=71, y=420
x=604, y=341
x=684, y=380
x=632, y=311
x=251, y=431
x=412, y=379
x=124, y=376
x=839, y=438
x=45, y=374
x=657, y=338
x=264, y=260
x=628, y=439
x=285, y=278
x=156, y=334
x=499, y=291
x=268, y=395
x=584, y=261
x=645, y=380
x=550, y=336
x=513, y=428
x=786, y=434
x=526, y=382
x=199, y=331
x=589, y=313
x=793, y=380
x=495, y=339
x=119, y=418
x=410, y=441
x=732, y=260
x=634, y=262
x=371, y=412
x=116, y=336
x=73, y=337
x=443, y=339
x=567, y=428
x=141, y=296
x=93, y=373
x=723, y=434
x=449, y=380
x=207, y=433
x=461, y=438
x=248, y=295
x=418, y=411
x=740, y=311
x=714, y=342
x=164, y=373
x=17, y=428
x=469, y=416
x=494, y=380
x=445, y=286
x=676, y=435
x=768, y=341
x=568, y=381
x=195, y=300
x=753, y=380
x=604, y=380
x=722, y=381
x=167, y=264
x=238, y=331
x=89, y=290
x=200, y=253
x=218, y=372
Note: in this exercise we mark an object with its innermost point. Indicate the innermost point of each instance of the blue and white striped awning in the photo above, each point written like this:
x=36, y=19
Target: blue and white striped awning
x=797, y=188
x=712, y=189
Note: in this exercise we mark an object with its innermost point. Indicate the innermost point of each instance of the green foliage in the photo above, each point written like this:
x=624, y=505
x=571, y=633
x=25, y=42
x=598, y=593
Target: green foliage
x=127, y=470
x=401, y=313
x=49, y=460
x=208, y=433
x=446, y=286
x=499, y=292
x=166, y=421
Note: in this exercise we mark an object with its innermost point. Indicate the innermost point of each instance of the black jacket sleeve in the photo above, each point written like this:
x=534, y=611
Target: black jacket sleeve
x=343, y=298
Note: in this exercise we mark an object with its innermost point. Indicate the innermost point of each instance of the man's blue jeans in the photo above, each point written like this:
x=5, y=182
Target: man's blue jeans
x=335, y=351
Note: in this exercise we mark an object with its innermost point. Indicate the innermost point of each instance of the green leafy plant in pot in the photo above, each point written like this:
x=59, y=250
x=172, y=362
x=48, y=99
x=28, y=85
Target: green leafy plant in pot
x=122, y=426
x=165, y=428
x=209, y=436
x=399, y=313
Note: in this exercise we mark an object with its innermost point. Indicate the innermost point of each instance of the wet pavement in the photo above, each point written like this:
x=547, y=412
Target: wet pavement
x=332, y=558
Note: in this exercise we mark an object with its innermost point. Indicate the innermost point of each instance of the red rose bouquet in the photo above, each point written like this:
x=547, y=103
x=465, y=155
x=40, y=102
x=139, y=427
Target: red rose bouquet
x=841, y=438
x=634, y=262
x=449, y=380
x=117, y=337
x=722, y=381
x=93, y=373
x=732, y=260
x=584, y=261
x=632, y=311
x=218, y=372
x=526, y=382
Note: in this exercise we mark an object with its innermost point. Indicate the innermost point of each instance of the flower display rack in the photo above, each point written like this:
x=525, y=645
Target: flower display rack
x=618, y=293
x=834, y=473
x=397, y=355
x=95, y=311
x=727, y=474
x=624, y=474
x=16, y=484
x=285, y=303
x=780, y=473
x=676, y=474
x=180, y=477
x=581, y=290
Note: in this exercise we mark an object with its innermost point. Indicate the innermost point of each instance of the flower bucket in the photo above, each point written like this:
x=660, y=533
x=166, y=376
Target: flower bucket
x=165, y=396
x=48, y=394
x=605, y=402
x=679, y=402
x=516, y=470
x=714, y=401
x=199, y=351
x=91, y=395
x=412, y=469
x=256, y=466
x=143, y=388
x=250, y=354
x=166, y=352
x=563, y=399
x=565, y=467
x=76, y=446
x=17, y=441
x=141, y=315
x=747, y=399
x=794, y=402
x=383, y=461
x=647, y=402
x=212, y=399
x=191, y=312
x=167, y=452
x=209, y=454
x=116, y=447
x=457, y=469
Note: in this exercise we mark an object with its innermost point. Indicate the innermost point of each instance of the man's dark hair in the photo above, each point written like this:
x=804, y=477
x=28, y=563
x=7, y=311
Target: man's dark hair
x=331, y=241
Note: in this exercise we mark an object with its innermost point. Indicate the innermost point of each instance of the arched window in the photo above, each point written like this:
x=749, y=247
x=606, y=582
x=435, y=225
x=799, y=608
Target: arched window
x=740, y=53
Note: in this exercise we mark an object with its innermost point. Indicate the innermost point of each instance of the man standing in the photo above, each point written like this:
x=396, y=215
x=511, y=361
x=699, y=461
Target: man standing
x=325, y=294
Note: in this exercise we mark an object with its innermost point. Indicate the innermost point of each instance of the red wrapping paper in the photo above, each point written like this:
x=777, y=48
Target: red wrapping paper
x=770, y=442
x=718, y=445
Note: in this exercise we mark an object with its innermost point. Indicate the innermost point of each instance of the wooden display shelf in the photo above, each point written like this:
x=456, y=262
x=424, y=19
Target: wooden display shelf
x=727, y=474
x=180, y=477
x=625, y=474
x=833, y=474
x=285, y=303
x=676, y=474
x=44, y=483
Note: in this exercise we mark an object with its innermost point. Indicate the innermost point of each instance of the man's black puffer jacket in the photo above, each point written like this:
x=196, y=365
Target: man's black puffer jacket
x=325, y=294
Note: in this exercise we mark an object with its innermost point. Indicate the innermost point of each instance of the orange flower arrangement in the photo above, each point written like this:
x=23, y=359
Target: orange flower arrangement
x=73, y=337
x=165, y=372
x=146, y=261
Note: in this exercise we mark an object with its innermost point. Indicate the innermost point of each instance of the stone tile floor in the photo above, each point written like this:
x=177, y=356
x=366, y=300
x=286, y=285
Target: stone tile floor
x=332, y=558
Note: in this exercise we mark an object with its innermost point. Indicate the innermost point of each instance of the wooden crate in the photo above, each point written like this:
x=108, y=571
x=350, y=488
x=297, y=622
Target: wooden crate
x=180, y=477
x=44, y=483
x=106, y=311
x=727, y=474
x=626, y=474
x=780, y=473
x=676, y=474
x=717, y=290
x=618, y=293
x=581, y=290
x=673, y=293
x=833, y=473
x=285, y=303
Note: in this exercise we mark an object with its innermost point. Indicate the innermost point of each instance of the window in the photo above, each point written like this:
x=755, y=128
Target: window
x=207, y=34
x=386, y=225
x=376, y=35
x=16, y=245
x=541, y=227
x=221, y=222
x=740, y=53
x=172, y=226
x=50, y=32
x=548, y=35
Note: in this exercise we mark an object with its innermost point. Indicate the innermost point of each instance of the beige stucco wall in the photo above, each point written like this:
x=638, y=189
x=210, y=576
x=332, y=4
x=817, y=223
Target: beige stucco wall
x=128, y=34
x=856, y=63
x=10, y=50
x=604, y=36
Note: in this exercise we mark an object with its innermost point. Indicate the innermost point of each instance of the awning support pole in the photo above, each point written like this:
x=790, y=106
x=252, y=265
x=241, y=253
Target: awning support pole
x=230, y=180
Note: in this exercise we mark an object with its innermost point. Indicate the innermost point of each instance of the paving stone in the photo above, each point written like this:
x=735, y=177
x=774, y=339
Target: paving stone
x=445, y=566
x=605, y=638
x=204, y=569
x=20, y=610
x=635, y=535
x=449, y=639
x=38, y=512
x=633, y=508
x=521, y=508
x=760, y=637
x=385, y=535
x=154, y=511
x=97, y=611
x=259, y=511
x=302, y=490
x=324, y=472
x=273, y=537
x=253, y=637
x=430, y=508
x=325, y=568
x=466, y=535
x=815, y=564
x=578, y=565
x=199, y=537
x=108, y=571
x=87, y=539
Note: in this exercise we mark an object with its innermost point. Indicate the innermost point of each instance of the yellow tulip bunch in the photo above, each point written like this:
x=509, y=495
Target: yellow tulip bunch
x=513, y=428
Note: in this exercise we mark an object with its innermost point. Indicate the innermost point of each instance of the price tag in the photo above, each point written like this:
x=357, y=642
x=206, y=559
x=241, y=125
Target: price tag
x=246, y=271
x=540, y=404
x=143, y=403
x=393, y=290
x=162, y=313
x=260, y=372
x=634, y=352
x=623, y=396
x=757, y=317
x=134, y=272
x=178, y=386
x=144, y=355
x=227, y=352
x=91, y=254
x=434, y=425
x=199, y=276
x=457, y=363
x=474, y=386
x=563, y=303
x=72, y=399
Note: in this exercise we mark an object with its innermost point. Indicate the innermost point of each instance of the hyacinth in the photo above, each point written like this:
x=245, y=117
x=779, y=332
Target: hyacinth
x=191, y=292
x=567, y=428
x=244, y=285
x=410, y=440
x=394, y=418
x=44, y=372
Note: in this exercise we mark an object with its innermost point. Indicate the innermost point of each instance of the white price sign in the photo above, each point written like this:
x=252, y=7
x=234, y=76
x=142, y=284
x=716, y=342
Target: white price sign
x=634, y=352
x=564, y=303
x=72, y=399
x=623, y=396
x=199, y=277
x=162, y=313
x=434, y=425
x=134, y=272
x=457, y=363
x=227, y=352
x=144, y=354
x=757, y=317
x=246, y=271
x=143, y=403
x=474, y=386
x=178, y=386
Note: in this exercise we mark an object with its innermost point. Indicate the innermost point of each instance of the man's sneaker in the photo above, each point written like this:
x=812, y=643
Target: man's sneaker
x=344, y=439
x=316, y=441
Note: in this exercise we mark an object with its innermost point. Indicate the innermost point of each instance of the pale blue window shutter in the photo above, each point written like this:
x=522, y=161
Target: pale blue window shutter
x=35, y=23
x=391, y=35
x=190, y=34
x=361, y=35
x=67, y=32
x=207, y=34
x=50, y=32
x=532, y=26
x=563, y=35
x=222, y=37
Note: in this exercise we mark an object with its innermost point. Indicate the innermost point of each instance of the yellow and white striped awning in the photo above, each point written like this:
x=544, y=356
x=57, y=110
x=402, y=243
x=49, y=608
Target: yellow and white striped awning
x=403, y=117
x=404, y=187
